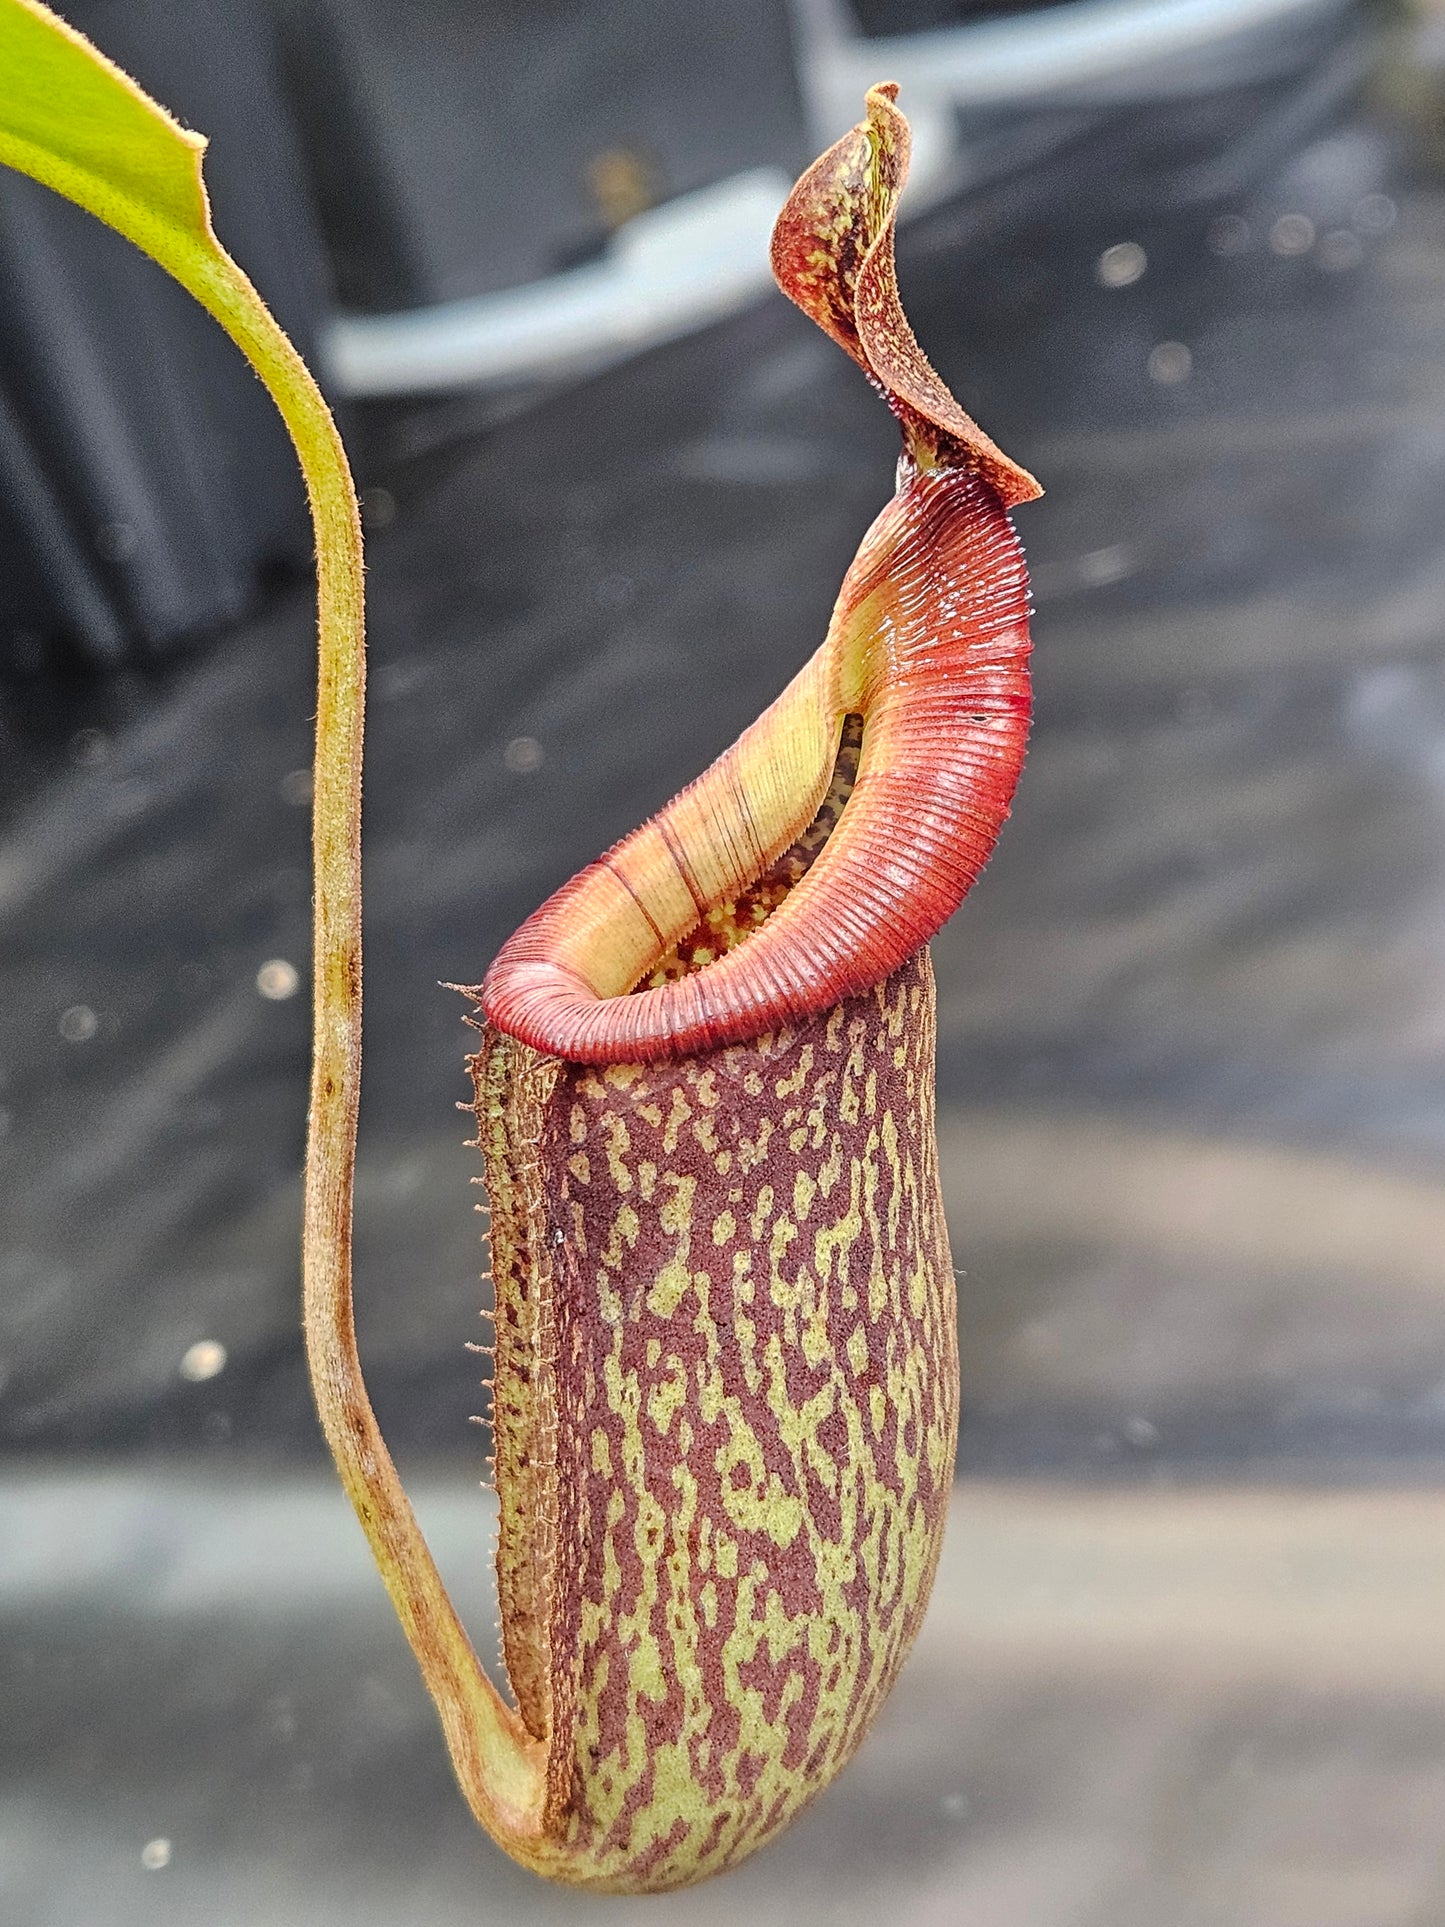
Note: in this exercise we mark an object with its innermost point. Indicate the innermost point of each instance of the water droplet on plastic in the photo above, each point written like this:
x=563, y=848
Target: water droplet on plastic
x=1170, y=363
x=378, y=508
x=1121, y=265
x=277, y=980
x=523, y=755
x=205, y=1359
x=1292, y=234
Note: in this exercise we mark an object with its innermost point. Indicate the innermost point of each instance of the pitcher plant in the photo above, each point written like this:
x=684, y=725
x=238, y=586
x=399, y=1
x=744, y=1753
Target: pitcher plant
x=725, y=1384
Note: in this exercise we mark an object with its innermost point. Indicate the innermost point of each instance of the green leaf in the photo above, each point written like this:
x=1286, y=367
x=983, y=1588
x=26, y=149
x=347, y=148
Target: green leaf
x=71, y=119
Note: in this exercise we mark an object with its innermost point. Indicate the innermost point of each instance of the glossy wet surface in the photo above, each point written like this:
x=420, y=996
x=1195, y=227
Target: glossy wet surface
x=1192, y=1079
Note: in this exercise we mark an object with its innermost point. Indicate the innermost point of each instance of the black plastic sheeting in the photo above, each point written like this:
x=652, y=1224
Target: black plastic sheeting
x=455, y=149
x=148, y=493
x=1192, y=1071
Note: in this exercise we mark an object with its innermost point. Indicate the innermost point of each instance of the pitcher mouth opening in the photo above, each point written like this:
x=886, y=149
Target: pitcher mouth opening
x=633, y=959
x=726, y=925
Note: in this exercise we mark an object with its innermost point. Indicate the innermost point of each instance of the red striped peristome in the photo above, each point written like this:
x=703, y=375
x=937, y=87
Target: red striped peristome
x=928, y=643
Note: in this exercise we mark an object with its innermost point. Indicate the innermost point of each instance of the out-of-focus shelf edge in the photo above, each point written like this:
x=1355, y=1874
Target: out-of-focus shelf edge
x=1334, y=1590
x=1106, y=1180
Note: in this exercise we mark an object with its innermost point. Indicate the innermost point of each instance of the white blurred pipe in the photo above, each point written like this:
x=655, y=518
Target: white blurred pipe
x=675, y=268
x=1087, y=52
x=1104, y=47
x=705, y=255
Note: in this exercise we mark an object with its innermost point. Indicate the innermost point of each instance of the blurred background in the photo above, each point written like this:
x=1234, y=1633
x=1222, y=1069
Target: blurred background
x=1183, y=258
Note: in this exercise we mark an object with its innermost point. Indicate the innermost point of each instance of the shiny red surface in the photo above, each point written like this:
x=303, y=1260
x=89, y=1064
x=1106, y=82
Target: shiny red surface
x=946, y=708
